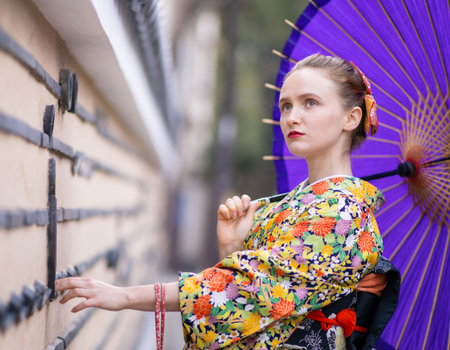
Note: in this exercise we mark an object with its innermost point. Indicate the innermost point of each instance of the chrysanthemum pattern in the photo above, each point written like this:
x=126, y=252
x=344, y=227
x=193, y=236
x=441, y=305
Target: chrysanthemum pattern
x=303, y=253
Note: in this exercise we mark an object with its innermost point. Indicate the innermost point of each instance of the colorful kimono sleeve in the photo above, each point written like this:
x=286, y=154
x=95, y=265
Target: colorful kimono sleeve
x=301, y=261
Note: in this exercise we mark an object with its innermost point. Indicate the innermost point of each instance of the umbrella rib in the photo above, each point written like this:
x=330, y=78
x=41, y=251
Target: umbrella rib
x=421, y=128
x=419, y=93
x=392, y=187
x=282, y=158
x=425, y=127
x=448, y=343
x=423, y=48
x=437, y=44
x=406, y=237
x=415, y=252
x=390, y=206
x=364, y=50
x=440, y=123
x=376, y=156
x=436, y=149
x=392, y=114
x=398, y=221
x=272, y=87
x=278, y=53
x=270, y=121
x=389, y=127
x=419, y=288
x=404, y=44
x=437, y=290
x=332, y=53
x=383, y=140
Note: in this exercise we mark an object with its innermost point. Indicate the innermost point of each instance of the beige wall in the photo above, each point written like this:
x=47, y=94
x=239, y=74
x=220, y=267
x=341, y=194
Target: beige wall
x=24, y=185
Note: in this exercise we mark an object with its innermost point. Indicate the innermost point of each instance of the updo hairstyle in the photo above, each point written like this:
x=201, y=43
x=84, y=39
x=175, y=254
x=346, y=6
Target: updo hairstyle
x=351, y=87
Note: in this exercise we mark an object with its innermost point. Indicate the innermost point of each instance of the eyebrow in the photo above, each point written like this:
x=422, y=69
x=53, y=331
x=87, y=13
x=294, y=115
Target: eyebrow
x=301, y=96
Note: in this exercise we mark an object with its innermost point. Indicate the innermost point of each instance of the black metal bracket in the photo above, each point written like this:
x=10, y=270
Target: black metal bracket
x=68, y=88
x=42, y=139
x=16, y=218
x=51, y=227
x=49, y=121
x=26, y=304
x=66, y=82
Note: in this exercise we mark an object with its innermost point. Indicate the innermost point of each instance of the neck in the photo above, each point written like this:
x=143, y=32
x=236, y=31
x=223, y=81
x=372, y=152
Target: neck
x=332, y=163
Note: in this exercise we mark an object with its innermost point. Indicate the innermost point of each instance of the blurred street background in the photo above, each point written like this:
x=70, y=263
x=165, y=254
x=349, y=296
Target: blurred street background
x=223, y=56
x=123, y=125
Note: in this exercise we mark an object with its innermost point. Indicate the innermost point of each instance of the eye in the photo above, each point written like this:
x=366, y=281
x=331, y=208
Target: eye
x=286, y=107
x=311, y=103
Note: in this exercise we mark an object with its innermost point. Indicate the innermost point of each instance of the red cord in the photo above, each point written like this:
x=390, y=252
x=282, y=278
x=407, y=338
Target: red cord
x=163, y=313
x=160, y=309
x=345, y=319
x=157, y=314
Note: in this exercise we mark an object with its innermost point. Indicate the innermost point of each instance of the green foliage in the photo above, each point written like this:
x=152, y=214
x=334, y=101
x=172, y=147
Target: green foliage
x=261, y=28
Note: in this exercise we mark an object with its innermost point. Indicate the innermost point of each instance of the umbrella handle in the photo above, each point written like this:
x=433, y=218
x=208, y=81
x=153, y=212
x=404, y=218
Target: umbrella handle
x=406, y=169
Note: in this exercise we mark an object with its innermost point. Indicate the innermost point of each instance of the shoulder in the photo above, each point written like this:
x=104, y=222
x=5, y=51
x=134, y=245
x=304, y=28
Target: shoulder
x=356, y=190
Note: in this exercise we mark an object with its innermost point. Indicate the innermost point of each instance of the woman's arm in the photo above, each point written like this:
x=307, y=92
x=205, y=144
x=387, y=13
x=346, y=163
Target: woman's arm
x=235, y=220
x=113, y=298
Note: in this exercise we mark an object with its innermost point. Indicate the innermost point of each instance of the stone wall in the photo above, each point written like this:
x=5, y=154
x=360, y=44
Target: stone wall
x=110, y=199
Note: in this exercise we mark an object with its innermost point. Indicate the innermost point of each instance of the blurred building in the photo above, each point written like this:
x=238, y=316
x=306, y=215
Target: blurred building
x=195, y=29
x=123, y=124
x=89, y=114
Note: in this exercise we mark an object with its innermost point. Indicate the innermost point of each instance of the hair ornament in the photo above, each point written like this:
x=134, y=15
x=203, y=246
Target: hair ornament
x=371, y=122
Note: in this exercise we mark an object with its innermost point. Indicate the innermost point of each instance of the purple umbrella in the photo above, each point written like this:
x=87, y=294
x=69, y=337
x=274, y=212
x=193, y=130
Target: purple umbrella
x=403, y=47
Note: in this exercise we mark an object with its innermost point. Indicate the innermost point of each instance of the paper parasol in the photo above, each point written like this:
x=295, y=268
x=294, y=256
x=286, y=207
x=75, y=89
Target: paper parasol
x=403, y=47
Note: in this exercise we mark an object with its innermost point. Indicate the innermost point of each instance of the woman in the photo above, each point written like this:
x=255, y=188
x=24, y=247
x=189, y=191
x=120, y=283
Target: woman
x=303, y=253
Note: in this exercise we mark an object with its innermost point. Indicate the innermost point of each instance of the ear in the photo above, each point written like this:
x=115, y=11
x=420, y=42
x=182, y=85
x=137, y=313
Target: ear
x=353, y=119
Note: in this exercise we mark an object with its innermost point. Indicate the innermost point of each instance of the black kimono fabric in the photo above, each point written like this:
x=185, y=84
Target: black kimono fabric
x=372, y=312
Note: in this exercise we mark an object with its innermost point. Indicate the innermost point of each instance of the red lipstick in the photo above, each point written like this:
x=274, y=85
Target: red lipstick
x=293, y=134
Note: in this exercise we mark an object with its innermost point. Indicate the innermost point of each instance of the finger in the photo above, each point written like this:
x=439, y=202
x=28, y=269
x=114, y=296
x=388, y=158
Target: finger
x=231, y=207
x=252, y=209
x=239, y=206
x=223, y=210
x=70, y=283
x=245, y=201
x=76, y=293
x=84, y=305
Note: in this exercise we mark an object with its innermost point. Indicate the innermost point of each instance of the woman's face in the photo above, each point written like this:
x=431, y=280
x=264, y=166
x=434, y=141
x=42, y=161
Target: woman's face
x=312, y=117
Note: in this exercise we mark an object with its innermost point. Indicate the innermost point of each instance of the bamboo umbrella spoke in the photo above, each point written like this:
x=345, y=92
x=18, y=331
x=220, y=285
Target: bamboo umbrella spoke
x=333, y=54
x=419, y=93
x=413, y=227
x=421, y=45
x=400, y=37
x=366, y=52
x=430, y=319
x=400, y=219
x=392, y=187
x=420, y=285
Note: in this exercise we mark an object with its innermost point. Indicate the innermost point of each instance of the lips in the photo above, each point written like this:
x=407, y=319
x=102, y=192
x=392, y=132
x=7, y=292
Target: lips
x=293, y=134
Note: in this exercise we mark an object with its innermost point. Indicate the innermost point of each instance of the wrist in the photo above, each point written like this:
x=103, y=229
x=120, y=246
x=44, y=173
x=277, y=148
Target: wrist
x=229, y=249
x=139, y=297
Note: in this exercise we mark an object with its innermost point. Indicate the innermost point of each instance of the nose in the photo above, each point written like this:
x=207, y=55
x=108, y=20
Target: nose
x=294, y=117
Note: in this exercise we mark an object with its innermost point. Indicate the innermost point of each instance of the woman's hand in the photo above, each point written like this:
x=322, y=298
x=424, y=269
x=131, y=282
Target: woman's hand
x=235, y=220
x=112, y=298
x=96, y=293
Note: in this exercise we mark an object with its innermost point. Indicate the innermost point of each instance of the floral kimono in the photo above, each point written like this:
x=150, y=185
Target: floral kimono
x=302, y=253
